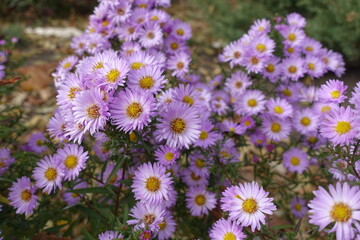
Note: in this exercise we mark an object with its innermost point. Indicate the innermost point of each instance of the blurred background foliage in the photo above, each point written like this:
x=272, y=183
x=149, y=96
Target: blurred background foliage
x=335, y=23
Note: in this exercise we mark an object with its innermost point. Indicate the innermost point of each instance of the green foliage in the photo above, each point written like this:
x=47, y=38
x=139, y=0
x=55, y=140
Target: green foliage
x=334, y=23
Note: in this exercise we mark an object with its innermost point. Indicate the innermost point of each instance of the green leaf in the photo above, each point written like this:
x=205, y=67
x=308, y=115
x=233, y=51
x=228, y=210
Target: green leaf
x=86, y=234
x=116, y=168
x=100, y=190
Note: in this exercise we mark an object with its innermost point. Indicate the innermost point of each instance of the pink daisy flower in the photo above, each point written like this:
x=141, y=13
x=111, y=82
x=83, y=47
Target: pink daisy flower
x=148, y=78
x=225, y=230
x=341, y=205
x=306, y=120
x=279, y=107
x=292, y=68
x=333, y=91
x=151, y=183
x=150, y=35
x=22, y=196
x=233, y=53
x=147, y=216
x=295, y=19
x=49, y=174
x=298, y=207
x=250, y=103
x=113, y=73
x=73, y=157
x=179, y=125
x=207, y=137
x=131, y=110
x=296, y=160
x=166, y=155
x=250, y=205
x=167, y=227
x=179, y=64
x=199, y=201
x=238, y=82
x=37, y=142
x=276, y=129
x=190, y=178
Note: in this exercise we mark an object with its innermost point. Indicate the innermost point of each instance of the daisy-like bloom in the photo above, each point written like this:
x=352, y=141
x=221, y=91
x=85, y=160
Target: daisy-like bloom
x=226, y=230
x=219, y=106
x=295, y=19
x=276, y=129
x=113, y=73
x=174, y=45
x=68, y=90
x=250, y=204
x=167, y=227
x=200, y=201
x=48, y=174
x=314, y=66
x=199, y=164
x=298, y=207
x=67, y=64
x=131, y=109
x=260, y=26
x=179, y=64
x=238, y=82
x=333, y=61
x=253, y=61
x=232, y=127
x=128, y=31
x=166, y=155
x=151, y=183
x=72, y=198
x=311, y=46
x=292, y=68
x=147, y=216
x=296, y=160
x=149, y=78
x=110, y=235
x=141, y=59
x=150, y=35
x=37, y=142
x=272, y=69
x=179, y=125
x=294, y=36
x=119, y=11
x=90, y=110
x=340, y=126
x=22, y=196
x=187, y=94
x=263, y=45
x=233, y=53
x=73, y=157
x=164, y=99
x=248, y=122
x=5, y=160
x=115, y=180
x=258, y=138
x=341, y=205
x=56, y=125
x=333, y=91
x=181, y=30
x=250, y=103
x=190, y=178
x=207, y=136
x=279, y=107
x=306, y=120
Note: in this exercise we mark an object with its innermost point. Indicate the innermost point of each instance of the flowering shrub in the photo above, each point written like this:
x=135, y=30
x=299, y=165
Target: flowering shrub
x=140, y=147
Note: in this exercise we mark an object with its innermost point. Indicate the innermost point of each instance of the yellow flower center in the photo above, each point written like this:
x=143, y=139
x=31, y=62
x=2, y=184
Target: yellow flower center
x=325, y=109
x=290, y=50
x=26, y=195
x=229, y=236
x=270, y=68
x=342, y=127
x=75, y=195
x=291, y=37
x=105, y=23
x=153, y=184
x=71, y=161
x=287, y=92
x=178, y=125
x=154, y=18
x=278, y=110
x=39, y=142
x=312, y=140
x=99, y=65
x=93, y=112
x=136, y=66
x=169, y=156
x=133, y=137
x=180, y=65
x=72, y=92
x=180, y=32
x=297, y=207
x=341, y=212
x=309, y=49
x=113, y=75
x=146, y=82
x=335, y=94
x=200, y=163
x=200, y=199
x=247, y=123
x=67, y=65
x=252, y=103
x=292, y=69
x=275, y=127
x=295, y=161
x=311, y=66
x=249, y=205
x=134, y=110
x=203, y=135
x=50, y=174
x=174, y=46
x=194, y=176
x=261, y=47
x=162, y=225
x=305, y=121
x=189, y=100
x=2, y=164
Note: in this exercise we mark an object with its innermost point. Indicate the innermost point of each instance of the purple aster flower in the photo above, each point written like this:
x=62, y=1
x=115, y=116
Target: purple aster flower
x=333, y=91
x=141, y=59
x=340, y=126
x=72, y=198
x=49, y=174
x=293, y=35
x=113, y=73
x=128, y=48
x=151, y=183
x=37, y=142
x=96, y=43
x=207, y=137
x=74, y=131
x=68, y=90
x=166, y=155
x=131, y=109
x=298, y=207
x=341, y=206
x=147, y=216
x=306, y=120
x=148, y=78
x=253, y=61
x=119, y=11
x=225, y=230
x=73, y=157
x=311, y=46
x=187, y=94
x=272, y=69
x=238, y=82
x=292, y=68
x=150, y=35
x=110, y=235
x=250, y=205
x=333, y=61
x=263, y=45
x=175, y=45
x=181, y=30
x=279, y=107
x=219, y=106
x=90, y=110
x=258, y=138
x=5, y=160
x=115, y=180
x=296, y=160
x=314, y=66
x=193, y=180
x=56, y=126
x=251, y=102
x=233, y=53
x=179, y=64
x=167, y=227
x=231, y=126
x=179, y=125
x=260, y=26
x=128, y=31
x=22, y=196
x=276, y=129
x=200, y=201
x=295, y=19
